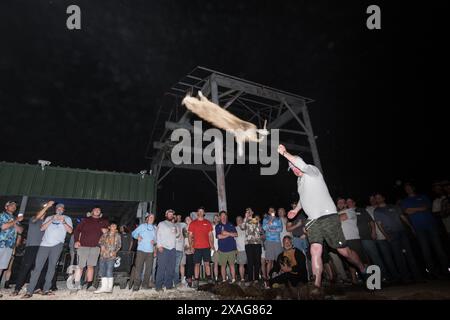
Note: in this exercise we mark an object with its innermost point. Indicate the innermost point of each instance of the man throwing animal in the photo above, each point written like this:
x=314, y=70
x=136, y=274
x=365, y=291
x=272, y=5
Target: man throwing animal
x=323, y=222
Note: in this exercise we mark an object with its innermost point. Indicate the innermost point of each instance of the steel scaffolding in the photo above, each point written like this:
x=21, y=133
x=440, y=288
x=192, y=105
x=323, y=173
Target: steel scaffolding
x=248, y=100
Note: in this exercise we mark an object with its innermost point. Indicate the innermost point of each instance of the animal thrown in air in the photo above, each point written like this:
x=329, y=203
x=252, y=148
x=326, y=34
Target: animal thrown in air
x=223, y=119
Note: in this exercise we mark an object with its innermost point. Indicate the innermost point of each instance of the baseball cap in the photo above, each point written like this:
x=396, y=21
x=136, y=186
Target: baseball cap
x=10, y=203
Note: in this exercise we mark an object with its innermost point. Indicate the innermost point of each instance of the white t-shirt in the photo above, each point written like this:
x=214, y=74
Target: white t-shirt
x=437, y=204
x=240, y=239
x=179, y=246
x=314, y=196
x=55, y=232
x=350, y=226
x=380, y=235
x=216, y=241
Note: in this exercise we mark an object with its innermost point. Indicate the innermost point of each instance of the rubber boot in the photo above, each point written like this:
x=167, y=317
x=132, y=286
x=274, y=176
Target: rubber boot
x=103, y=286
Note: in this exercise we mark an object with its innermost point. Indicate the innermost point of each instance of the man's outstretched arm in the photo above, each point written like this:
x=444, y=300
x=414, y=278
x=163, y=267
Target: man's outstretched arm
x=298, y=162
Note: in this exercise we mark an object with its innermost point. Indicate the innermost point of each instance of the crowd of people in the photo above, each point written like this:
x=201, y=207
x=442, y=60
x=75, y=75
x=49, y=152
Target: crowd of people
x=318, y=240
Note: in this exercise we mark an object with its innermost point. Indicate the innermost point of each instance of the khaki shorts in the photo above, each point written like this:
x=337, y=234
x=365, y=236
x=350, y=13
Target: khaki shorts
x=327, y=228
x=5, y=257
x=225, y=257
x=215, y=257
x=88, y=256
x=241, y=257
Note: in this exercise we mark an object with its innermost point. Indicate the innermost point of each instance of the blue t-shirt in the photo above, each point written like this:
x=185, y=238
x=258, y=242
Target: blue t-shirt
x=273, y=230
x=148, y=234
x=423, y=219
x=389, y=216
x=229, y=243
x=8, y=236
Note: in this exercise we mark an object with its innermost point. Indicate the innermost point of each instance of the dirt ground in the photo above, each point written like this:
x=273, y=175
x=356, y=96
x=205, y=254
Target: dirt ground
x=432, y=290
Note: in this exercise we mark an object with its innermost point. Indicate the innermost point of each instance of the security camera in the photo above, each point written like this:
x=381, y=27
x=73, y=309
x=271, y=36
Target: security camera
x=44, y=163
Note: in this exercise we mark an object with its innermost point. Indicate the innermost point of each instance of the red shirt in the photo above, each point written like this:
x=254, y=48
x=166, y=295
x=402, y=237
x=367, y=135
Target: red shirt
x=200, y=230
x=89, y=231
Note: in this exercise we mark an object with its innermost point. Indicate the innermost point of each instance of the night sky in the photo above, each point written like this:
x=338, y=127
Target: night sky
x=88, y=98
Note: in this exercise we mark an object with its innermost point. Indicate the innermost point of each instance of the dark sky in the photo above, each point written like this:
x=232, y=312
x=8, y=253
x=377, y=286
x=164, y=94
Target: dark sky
x=88, y=98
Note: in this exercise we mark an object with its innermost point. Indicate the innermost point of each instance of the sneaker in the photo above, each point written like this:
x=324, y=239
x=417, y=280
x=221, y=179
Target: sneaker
x=15, y=293
x=48, y=293
x=38, y=291
x=27, y=296
x=233, y=281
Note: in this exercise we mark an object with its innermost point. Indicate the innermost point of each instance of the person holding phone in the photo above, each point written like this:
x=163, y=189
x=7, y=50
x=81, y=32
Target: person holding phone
x=273, y=227
x=55, y=229
x=34, y=238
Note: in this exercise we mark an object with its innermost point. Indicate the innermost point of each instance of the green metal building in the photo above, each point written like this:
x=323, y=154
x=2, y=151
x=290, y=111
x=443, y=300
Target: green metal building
x=118, y=194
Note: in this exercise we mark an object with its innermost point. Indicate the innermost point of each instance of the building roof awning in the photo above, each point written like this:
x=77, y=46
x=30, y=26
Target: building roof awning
x=66, y=183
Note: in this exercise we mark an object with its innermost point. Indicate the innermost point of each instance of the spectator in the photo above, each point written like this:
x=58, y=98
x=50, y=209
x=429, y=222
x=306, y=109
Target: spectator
x=389, y=219
x=110, y=243
x=351, y=233
x=300, y=239
x=187, y=262
x=179, y=249
x=282, y=215
x=417, y=208
x=55, y=229
x=264, y=271
x=273, y=227
x=145, y=234
x=438, y=190
x=445, y=208
x=166, y=237
x=372, y=205
x=9, y=229
x=290, y=266
x=367, y=234
x=125, y=238
x=225, y=233
x=240, y=245
x=15, y=262
x=383, y=245
x=201, y=239
x=86, y=236
x=215, y=249
x=252, y=228
x=34, y=238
